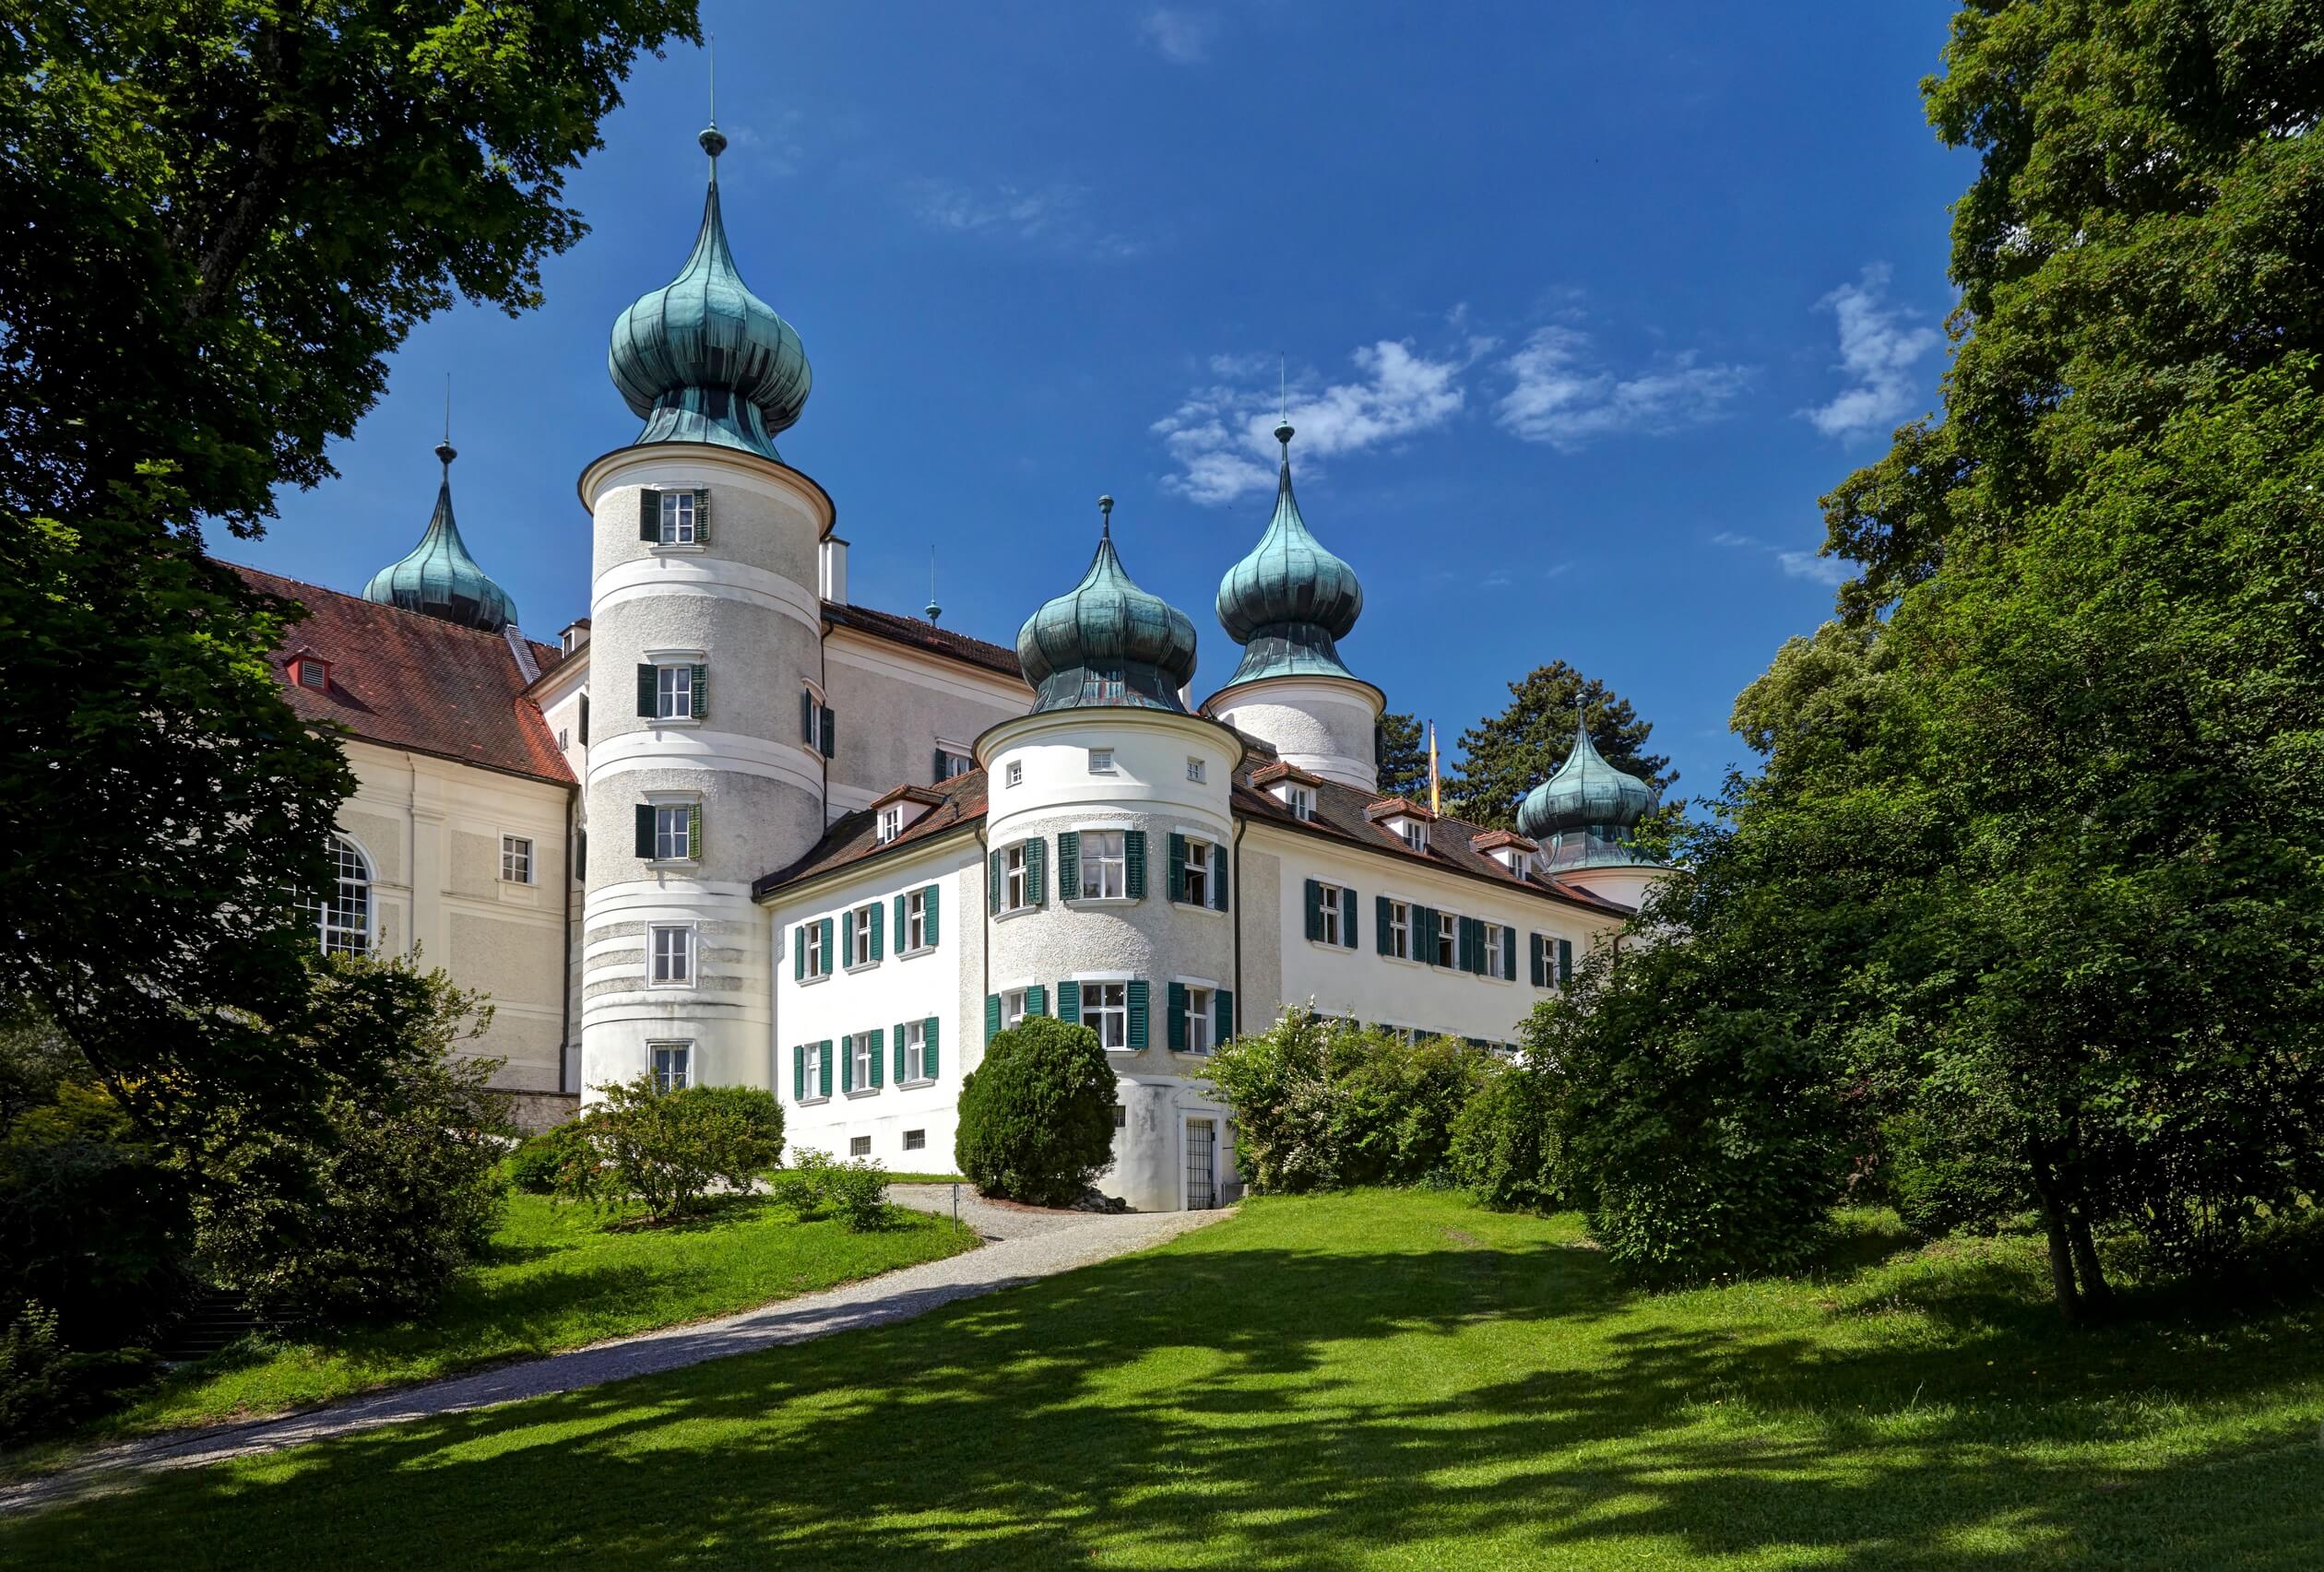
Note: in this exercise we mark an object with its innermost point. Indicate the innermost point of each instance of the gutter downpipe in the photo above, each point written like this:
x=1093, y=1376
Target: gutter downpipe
x=1240, y=825
x=564, y=993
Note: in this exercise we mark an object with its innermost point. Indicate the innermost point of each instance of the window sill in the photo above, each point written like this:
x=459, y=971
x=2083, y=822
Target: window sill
x=673, y=864
x=813, y=1102
x=687, y=986
x=811, y=979
x=674, y=722
x=861, y=966
x=915, y=953
x=675, y=548
x=1335, y=949
x=1002, y=916
x=1104, y=900
x=1197, y=907
x=520, y=885
x=914, y=1085
x=1403, y=961
x=861, y=1092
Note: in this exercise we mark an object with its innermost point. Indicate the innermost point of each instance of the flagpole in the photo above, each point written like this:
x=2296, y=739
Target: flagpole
x=1435, y=803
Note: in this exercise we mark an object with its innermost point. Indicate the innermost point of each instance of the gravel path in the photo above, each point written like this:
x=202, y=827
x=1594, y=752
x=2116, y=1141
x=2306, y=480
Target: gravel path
x=1022, y=1245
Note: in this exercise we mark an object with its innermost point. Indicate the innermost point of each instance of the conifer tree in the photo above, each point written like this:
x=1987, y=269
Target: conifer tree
x=1506, y=755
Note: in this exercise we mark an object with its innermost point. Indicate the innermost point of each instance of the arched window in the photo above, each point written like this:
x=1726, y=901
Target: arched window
x=342, y=917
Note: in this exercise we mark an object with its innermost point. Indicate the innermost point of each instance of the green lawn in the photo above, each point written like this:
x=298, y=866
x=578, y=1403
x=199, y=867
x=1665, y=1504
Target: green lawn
x=559, y=1277
x=1381, y=1380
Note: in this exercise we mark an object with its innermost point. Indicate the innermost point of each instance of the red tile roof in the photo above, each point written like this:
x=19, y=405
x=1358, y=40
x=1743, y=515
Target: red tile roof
x=924, y=635
x=405, y=680
x=855, y=836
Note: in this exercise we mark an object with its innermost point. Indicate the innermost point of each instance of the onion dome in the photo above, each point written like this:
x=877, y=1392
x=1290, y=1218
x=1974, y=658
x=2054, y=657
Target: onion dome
x=1582, y=815
x=439, y=578
x=1290, y=600
x=703, y=360
x=1105, y=643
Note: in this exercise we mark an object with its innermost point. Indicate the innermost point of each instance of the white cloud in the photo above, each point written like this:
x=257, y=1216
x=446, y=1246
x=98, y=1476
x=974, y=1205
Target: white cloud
x=1879, y=344
x=1182, y=38
x=1562, y=393
x=1222, y=440
x=1832, y=571
x=1051, y=214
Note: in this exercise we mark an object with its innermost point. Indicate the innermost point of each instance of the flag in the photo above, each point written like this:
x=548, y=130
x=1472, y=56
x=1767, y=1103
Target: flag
x=1435, y=805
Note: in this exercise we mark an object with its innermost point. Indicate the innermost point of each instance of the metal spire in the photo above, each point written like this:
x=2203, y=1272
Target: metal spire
x=1283, y=432
x=713, y=141
x=1105, y=518
x=931, y=609
x=446, y=453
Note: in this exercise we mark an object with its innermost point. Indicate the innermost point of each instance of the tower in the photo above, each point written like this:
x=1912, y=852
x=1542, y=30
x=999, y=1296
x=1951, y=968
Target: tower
x=1582, y=817
x=438, y=576
x=706, y=764
x=1288, y=603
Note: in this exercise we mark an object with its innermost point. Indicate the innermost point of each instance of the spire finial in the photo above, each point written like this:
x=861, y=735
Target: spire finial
x=1283, y=432
x=1105, y=518
x=446, y=453
x=713, y=141
x=933, y=611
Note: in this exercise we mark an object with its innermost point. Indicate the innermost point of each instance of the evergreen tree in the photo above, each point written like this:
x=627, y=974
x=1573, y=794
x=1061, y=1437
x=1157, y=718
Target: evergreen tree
x=1404, y=758
x=1506, y=755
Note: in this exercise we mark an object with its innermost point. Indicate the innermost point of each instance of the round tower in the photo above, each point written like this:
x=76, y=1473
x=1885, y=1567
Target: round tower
x=1109, y=852
x=1288, y=604
x=1582, y=817
x=438, y=576
x=705, y=766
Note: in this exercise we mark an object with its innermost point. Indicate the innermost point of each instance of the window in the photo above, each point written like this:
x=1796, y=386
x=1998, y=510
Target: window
x=1105, y=1010
x=674, y=693
x=866, y=1054
x=673, y=832
x=915, y=935
x=1198, y=1019
x=915, y=1050
x=1400, y=930
x=1104, y=866
x=1496, y=948
x=817, y=722
x=1447, y=948
x=1101, y=761
x=516, y=859
x=571, y=638
x=859, y=1146
x=951, y=761
x=1016, y=896
x=1195, y=770
x=314, y=674
x=1011, y=1007
x=1301, y=800
x=915, y=1140
x=1416, y=833
x=678, y=518
x=1014, y=774
x=564, y=738
x=1122, y=1117
x=890, y=824
x=343, y=916
x=817, y=963
x=861, y=932
x=1328, y=914
x=1195, y=884
x=672, y=954
x=673, y=1065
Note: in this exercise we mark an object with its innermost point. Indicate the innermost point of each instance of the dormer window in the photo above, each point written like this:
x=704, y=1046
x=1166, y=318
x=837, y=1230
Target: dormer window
x=1515, y=859
x=1414, y=832
x=890, y=824
x=1301, y=800
x=311, y=672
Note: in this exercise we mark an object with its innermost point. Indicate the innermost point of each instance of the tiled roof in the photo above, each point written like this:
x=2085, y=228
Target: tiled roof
x=855, y=836
x=405, y=680
x=924, y=635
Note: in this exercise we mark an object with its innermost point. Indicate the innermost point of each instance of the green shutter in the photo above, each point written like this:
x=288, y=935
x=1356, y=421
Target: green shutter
x=1068, y=1003
x=902, y=923
x=1347, y=919
x=822, y=1051
x=1223, y=1017
x=1509, y=954
x=799, y=1073
x=646, y=829
x=1565, y=963
x=1218, y=875
x=1037, y=872
x=936, y=770
x=1314, y=909
x=1424, y=933
x=1174, y=1005
x=807, y=717
x=879, y=933
x=879, y=1052
x=1136, y=992
x=1068, y=864
x=701, y=692
x=927, y=915
x=846, y=938
x=846, y=1064
x=649, y=514
x=1037, y=1000
x=1134, y=864
x=799, y=953
x=1533, y=958
x=647, y=678
x=898, y=1050
x=1381, y=920
x=928, y=1047
x=992, y=885
x=829, y=955
x=830, y=733
x=702, y=517
x=1178, y=866
x=992, y=1016
x=694, y=831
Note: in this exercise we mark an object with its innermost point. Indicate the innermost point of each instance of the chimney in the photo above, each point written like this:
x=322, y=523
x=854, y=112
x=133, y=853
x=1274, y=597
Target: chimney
x=835, y=571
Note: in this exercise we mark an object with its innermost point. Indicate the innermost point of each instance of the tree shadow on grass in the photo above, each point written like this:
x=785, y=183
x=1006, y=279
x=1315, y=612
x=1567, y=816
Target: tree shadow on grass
x=1397, y=1394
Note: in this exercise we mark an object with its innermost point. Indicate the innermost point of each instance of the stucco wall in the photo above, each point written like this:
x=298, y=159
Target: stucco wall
x=893, y=707
x=1319, y=724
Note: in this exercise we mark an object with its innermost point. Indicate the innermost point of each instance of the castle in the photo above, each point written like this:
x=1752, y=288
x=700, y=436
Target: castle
x=803, y=845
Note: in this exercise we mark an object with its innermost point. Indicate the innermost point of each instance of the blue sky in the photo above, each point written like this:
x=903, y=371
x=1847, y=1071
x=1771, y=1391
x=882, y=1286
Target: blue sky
x=1583, y=308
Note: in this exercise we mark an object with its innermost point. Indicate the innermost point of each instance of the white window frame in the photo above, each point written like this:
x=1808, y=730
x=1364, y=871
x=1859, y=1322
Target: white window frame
x=1447, y=953
x=859, y=1146
x=680, y=1053
x=1192, y=871
x=683, y=972
x=891, y=822
x=1014, y=894
x=818, y=964
x=333, y=932
x=685, y=812
x=1496, y=940
x=860, y=947
x=915, y=1051
x=1328, y=916
x=678, y=524
x=1012, y=1007
x=1400, y=930
x=517, y=853
x=958, y=761
x=1415, y=833
x=1109, y=864
x=914, y=938
x=1014, y=774
x=1107, y=1013
x=862, y=1052
x=1197, y=770
x=1201, y=1017
x=915, y=1140
x=1101, y=761
x=1301, y=800
x=673, y=690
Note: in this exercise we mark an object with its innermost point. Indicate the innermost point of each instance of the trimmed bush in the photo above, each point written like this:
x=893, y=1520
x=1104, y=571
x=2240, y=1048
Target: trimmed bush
x=666, y=1150
x=538, y=1161
x=1037, y=1116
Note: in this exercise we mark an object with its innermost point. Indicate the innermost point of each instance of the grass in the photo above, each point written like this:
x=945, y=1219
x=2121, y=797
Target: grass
x=1369, y=1380
x=926, y=1179
x=559, y=1277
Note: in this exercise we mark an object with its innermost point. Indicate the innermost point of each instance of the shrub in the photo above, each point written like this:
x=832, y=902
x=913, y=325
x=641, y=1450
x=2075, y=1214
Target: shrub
x=1037, y=1116
x=46, y=1388
x=816, y=1185
x=664, y=1150
x=1940, y=1180
x=376, y=1213
x=534, y=1167
x=1504, y=1147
